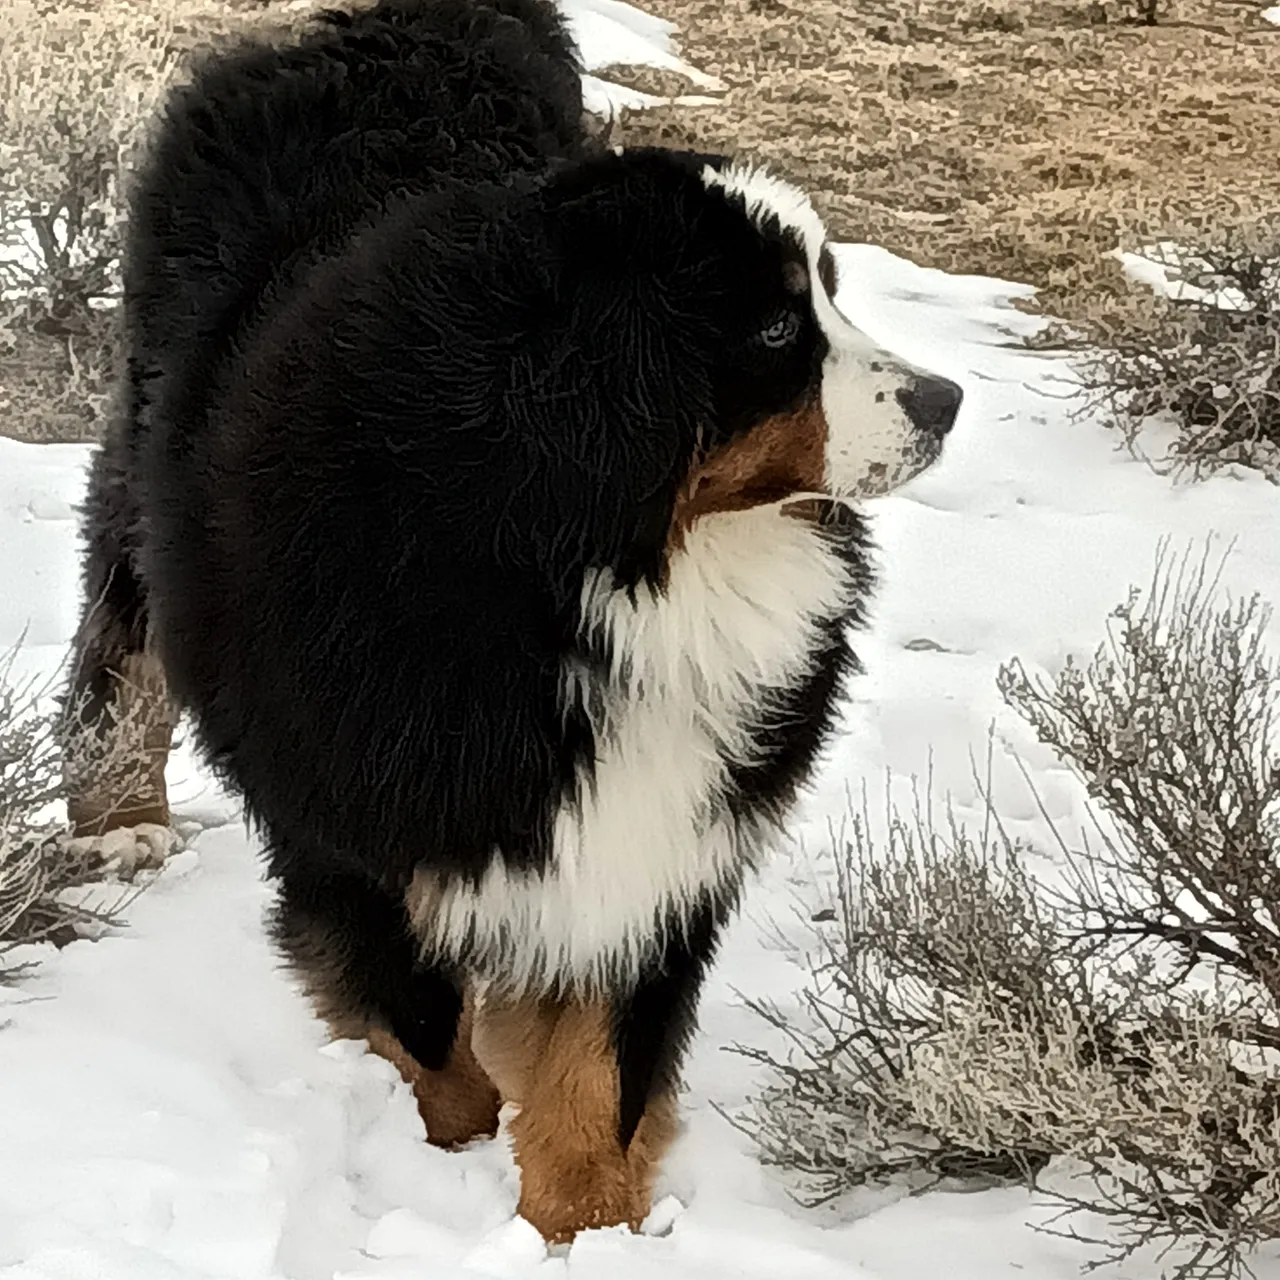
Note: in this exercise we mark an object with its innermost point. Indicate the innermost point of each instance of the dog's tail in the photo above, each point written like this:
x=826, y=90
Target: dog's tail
x=274, y=153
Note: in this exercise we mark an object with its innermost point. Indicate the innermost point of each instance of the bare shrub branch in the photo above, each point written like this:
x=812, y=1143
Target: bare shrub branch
x=923, y=926
x=1206, y=359
x=964, y=1020
x=1173, y=728
x=43, y=870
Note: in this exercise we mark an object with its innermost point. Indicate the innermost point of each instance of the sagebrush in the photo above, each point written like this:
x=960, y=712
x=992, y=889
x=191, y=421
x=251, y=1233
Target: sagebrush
x=968, y=1020
x=1205, y=359
x=79, y=83
x=44, y=871
x=76, y=85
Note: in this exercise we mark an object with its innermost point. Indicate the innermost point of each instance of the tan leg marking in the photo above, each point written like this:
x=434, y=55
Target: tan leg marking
x=457, y=1104
x=556, y=1061
x=115, y=771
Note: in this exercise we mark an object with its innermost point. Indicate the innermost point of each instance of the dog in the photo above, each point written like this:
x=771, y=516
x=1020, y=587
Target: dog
x=487, y=497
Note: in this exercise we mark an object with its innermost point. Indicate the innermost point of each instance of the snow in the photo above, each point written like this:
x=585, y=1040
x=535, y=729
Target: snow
x=610, y=33
x=169, y=1107
x=1174, y=271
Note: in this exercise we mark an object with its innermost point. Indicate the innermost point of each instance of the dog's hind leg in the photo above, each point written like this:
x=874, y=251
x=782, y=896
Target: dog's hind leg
x=349, y=942
x=118, y=718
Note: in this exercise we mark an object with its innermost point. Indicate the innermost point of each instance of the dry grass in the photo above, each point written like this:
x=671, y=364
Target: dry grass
x=79, y=81
x=1015, y=138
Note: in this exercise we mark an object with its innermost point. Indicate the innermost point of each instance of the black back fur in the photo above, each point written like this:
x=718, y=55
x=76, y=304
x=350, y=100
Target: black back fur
x=267, y=163
x=401, y=375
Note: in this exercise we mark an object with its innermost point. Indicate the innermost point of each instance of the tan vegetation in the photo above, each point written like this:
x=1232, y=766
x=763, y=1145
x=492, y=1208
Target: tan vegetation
x=1015, y=138
x=966, y=1022
x=79, y=80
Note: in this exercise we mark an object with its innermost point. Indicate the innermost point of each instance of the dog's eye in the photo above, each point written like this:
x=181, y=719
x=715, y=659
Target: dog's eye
x=782, y=331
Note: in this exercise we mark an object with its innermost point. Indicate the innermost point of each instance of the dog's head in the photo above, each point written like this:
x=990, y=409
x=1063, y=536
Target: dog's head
x=880, y=420
x=693, y=331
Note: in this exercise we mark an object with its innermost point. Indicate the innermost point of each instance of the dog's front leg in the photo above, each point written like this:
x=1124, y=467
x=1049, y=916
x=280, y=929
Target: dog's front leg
x=558, y=1061
x=596, y=1082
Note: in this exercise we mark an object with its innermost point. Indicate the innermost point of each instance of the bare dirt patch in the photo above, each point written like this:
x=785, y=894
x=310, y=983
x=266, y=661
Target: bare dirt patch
x=1004, y=137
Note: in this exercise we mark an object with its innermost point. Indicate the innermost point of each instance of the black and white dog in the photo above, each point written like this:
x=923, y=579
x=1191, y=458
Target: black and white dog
x=482, y=495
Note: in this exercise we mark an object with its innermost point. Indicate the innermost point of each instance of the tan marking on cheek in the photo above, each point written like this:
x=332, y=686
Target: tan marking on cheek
x=785, y=454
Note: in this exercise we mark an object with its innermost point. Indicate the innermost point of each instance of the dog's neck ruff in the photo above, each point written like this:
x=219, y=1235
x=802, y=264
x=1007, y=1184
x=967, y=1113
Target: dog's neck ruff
x=749, y=601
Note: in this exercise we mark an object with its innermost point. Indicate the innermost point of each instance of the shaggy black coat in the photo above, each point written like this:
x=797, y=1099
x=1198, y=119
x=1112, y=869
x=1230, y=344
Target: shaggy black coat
x=404, y=360
x=409, y=565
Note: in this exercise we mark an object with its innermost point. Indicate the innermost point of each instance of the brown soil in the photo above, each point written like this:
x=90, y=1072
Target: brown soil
x=1018, y=138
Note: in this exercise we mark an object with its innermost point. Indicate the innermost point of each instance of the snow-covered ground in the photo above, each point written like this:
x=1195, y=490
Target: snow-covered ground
x=169, y=1108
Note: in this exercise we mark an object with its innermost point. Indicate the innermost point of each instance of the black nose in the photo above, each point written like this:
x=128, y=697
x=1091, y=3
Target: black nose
x=931, y=404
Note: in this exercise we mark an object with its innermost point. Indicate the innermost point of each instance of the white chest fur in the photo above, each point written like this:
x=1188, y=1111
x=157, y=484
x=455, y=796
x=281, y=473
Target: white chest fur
x=744, y=608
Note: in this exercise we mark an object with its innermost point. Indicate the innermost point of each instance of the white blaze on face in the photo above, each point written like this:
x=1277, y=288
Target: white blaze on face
x=872, y=445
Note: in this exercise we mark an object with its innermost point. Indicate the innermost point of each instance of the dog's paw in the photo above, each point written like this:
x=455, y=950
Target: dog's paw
x=128, y=850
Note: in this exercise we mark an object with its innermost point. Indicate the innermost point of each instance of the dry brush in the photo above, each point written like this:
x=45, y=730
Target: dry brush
x=969, y=1020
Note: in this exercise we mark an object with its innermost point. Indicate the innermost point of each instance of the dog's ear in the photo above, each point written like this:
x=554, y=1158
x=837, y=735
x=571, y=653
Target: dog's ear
x=614, y=383
x=627, y=213
x=607, y=402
